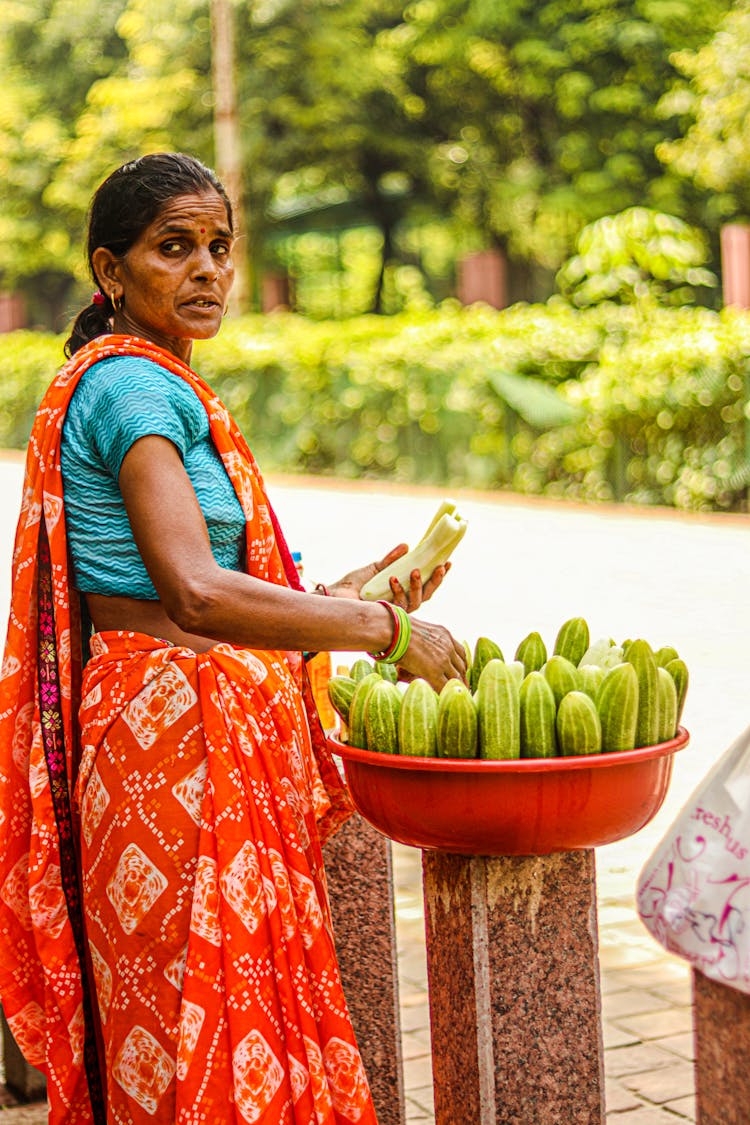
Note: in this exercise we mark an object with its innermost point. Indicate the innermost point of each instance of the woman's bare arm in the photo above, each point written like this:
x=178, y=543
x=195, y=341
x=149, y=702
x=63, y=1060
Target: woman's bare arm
x=202, y=598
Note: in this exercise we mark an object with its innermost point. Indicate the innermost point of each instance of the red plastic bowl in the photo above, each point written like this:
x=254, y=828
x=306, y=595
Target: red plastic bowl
x=529, y=807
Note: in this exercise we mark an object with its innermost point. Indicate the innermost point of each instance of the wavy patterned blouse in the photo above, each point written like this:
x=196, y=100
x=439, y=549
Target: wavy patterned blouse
x=118, y=401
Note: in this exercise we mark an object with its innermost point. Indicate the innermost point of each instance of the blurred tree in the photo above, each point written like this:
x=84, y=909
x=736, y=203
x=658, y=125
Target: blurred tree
x=328, y=117
x=715, y=151
x=543, y=113
x=155, y=96
x=635, y=255
x=517, y=123
x=88, y=85
x=227, y=147
x=51, y=51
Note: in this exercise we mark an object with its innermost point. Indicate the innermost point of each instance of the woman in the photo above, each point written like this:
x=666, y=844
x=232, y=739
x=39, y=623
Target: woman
x=165, y=789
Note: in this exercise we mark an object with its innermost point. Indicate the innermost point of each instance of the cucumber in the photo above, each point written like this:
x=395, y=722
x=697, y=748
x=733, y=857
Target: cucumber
x=341, y=692
x=578, y=726
x=617, y=704
x=518, y=671
x=417, y=721
x=387, y=671
x=532, y=653
x=561, y=675
x=642, y=659
x=498, y=708
x=664, y=655
x=357, y=730
x=457, y=722
x=603, y=652
x=382, y=708
x=537, y=717
x=361, y=668
x=590, y=678
x=484, y=651
x=572, y=640
x=469, y=661
x=679, y=673
x=667, y=705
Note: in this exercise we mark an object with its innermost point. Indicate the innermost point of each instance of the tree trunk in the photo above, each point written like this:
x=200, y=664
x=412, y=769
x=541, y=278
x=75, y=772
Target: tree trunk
x=387, y=231
x=227, y=139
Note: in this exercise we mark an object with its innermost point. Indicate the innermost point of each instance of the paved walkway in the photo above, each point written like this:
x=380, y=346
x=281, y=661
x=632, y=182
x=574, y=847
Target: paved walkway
x=525, y=565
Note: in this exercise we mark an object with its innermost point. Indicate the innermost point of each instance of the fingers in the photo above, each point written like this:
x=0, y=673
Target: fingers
x=458, y=660
x=418, y=592
x=396, y=553
x=411, y=599
x=434, y=581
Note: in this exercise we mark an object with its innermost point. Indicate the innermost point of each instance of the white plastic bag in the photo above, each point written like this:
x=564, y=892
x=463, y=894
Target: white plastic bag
x=693, y=894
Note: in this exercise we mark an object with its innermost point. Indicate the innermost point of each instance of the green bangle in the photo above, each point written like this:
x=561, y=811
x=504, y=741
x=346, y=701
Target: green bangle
x=396, y=650
x=403, y=642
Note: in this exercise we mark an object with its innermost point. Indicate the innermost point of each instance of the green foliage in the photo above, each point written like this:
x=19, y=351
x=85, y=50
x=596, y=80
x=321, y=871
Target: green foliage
x=511, y=124
x=544, y=112
x=86, y=86
x=28, y=360
x=715, y=150
x=634, y=402
x=635, y=255
x=51, y=52
x=664, y=417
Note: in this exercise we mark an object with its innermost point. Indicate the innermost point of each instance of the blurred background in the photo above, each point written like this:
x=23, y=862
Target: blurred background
x=484, y=245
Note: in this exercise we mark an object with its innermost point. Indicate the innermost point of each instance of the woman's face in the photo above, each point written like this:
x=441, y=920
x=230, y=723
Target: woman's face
x=175, y=280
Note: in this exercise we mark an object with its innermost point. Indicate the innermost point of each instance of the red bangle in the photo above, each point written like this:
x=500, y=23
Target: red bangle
x=391, y=648
x=321, y=589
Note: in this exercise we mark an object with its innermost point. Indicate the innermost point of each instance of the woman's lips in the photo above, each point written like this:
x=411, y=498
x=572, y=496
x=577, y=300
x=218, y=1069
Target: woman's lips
x=203, y=303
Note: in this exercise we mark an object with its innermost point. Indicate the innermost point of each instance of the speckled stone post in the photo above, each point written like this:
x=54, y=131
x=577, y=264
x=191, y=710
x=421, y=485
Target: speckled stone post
x=515, y=1012
x=360, y=887
x=21, y=1078
x=721, y=1025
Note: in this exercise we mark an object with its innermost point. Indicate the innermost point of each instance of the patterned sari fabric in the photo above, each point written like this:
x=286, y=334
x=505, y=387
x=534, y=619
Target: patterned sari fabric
x=202, y=792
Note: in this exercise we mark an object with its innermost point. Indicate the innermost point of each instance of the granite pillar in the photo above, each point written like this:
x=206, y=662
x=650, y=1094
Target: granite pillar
x=21, y=1078
x=360, y=886
x=721, y=1026
x=513, y=967
x=482, y=276
x=735, y=264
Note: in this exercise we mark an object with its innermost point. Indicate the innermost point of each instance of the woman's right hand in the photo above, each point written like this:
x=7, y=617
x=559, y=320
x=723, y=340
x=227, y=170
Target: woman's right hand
x=433, y=654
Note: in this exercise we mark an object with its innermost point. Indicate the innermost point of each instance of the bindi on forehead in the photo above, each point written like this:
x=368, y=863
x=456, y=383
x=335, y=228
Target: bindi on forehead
x=201, y=212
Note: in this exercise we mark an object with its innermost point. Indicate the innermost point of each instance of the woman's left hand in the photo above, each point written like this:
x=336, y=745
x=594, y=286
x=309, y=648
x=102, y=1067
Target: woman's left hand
x=411, y=598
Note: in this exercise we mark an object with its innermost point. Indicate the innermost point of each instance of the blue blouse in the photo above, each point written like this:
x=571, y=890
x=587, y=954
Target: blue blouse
x=116, y=402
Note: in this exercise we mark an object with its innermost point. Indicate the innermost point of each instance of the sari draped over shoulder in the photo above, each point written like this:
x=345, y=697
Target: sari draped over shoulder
x=167, y=952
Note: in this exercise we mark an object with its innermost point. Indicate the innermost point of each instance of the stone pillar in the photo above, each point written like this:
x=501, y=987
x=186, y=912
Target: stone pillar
x=721, y=1026
x=513, y=967
x=483, y=277
x=21, y=1078
x=360, y=887
x=275, y=292
x=12, y=312
x=735, y=264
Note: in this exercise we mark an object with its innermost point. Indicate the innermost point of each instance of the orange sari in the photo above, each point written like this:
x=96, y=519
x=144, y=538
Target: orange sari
x=162, y=816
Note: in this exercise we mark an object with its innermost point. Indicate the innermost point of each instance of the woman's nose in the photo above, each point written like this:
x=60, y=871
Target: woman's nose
x=204, y=264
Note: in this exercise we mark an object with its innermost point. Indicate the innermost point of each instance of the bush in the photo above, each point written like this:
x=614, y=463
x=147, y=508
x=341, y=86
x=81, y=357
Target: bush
x=631, y=402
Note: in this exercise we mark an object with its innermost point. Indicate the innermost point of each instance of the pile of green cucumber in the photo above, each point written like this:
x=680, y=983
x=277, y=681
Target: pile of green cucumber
x=583, y=699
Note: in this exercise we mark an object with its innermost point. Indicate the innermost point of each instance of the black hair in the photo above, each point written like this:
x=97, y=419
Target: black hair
x=122, y=207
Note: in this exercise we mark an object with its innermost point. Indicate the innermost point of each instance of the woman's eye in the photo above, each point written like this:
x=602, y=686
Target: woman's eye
x=221, y=249
x=173, y=246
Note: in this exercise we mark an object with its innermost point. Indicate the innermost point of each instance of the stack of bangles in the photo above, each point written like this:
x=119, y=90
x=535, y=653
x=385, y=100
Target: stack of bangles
x=396, y=650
